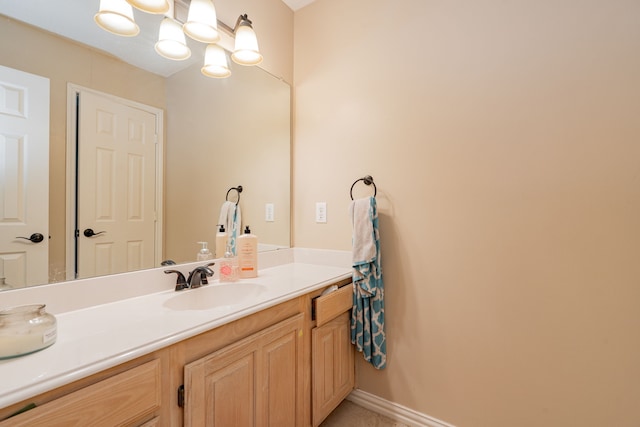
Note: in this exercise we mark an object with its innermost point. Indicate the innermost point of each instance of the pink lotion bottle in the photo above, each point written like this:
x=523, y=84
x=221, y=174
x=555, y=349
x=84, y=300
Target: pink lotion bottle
x=247, y=246
x=228, y=266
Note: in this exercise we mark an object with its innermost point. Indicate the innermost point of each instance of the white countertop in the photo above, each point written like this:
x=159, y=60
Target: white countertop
x=97, y=337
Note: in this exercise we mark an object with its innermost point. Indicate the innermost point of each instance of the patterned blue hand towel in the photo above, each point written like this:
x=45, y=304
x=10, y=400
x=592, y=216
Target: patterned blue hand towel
x=231, y=218
x=367, y=315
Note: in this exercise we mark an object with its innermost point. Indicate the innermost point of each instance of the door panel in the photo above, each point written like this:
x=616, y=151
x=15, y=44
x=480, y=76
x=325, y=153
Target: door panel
x=24, y=167
x=257, y=381
x=280, y=383
x=116, y=186
x=333, y=374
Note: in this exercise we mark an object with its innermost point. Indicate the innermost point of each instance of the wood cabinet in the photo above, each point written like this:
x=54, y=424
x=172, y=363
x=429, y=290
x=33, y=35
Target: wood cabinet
x=332, y=366
x=277, y=367
x=126, y=399
x=257, y=381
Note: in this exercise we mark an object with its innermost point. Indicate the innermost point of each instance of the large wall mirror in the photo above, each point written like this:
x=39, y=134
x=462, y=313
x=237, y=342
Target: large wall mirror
x=216, y=133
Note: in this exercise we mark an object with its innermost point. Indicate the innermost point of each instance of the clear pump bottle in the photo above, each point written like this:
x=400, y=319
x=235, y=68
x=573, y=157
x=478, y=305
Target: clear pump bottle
x=229, y=266
x=204, y=253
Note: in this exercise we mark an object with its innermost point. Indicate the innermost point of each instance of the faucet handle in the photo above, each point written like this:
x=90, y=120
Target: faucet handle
x=198, y=276
x=181, y=282
x=205, y=272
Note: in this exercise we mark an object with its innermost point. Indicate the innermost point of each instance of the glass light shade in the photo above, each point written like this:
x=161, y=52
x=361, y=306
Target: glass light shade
x=171, y=42
x=215, y=62
x=202, y=22
x=116, y=16
x=246, y=50
x=150, y=6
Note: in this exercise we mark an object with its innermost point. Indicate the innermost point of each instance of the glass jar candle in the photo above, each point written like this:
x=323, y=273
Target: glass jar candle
x=25, y=329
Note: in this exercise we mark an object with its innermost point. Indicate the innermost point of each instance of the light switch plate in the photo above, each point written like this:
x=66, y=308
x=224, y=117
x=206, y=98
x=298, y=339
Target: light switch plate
x=321, y=212
x=269, y=212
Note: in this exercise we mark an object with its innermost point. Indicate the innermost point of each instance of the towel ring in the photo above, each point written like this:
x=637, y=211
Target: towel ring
x=368, y=180
x=238, y=189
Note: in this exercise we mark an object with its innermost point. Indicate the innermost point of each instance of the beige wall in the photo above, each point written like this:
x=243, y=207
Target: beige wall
x=505, y=143
x=197, y=178
x=63, y=61
x=221, y=134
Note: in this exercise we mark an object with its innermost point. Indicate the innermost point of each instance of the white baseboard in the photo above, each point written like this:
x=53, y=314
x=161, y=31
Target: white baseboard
x=394, y=411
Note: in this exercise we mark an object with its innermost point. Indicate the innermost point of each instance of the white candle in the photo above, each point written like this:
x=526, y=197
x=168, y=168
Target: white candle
x=15, y=345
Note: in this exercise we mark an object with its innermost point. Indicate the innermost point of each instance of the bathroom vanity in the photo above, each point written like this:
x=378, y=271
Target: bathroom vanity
x=269, y=351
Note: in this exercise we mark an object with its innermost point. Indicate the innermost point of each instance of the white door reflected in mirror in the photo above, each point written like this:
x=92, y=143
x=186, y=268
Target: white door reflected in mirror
x=24, y=167
x=116, y=206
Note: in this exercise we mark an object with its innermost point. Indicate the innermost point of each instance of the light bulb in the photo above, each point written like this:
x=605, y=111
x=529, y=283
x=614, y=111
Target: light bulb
x=202, y=22
x=116, y=16
x=150, y=6
x=171, y=42
x=215, y=62
x=246, y=50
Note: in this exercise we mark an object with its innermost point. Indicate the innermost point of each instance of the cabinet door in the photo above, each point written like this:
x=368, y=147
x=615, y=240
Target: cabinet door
x=254, y=382
x=122, y=400
x=333, y=375
x=281, y=366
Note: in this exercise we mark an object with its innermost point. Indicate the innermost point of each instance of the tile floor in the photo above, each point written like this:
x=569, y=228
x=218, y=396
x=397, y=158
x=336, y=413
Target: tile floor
x=348, y=414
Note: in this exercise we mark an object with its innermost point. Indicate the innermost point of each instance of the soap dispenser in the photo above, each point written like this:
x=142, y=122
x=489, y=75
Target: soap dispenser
x=204, y=253
x=229, y=266
x=247, y=246
x=221, y=241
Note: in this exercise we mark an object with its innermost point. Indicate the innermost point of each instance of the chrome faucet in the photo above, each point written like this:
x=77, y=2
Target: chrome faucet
x=197, y=277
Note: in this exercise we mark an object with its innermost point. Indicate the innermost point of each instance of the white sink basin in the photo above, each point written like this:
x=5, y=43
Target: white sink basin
x=214, y=295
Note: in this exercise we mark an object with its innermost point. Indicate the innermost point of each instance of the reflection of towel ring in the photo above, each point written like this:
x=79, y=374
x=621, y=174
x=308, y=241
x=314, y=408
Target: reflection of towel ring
x=368, y=180
x=238, y=189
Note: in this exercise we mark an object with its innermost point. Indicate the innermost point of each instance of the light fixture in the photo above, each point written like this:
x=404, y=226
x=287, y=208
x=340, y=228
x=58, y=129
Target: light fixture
x=171, y=42
x=246, y=50
x=215, y=62
x=150, y=6
x=202, y=23
x=116, y=16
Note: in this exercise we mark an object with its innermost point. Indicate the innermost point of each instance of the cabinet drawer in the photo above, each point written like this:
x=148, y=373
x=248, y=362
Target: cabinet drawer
x=117, y=401
x=327, y=307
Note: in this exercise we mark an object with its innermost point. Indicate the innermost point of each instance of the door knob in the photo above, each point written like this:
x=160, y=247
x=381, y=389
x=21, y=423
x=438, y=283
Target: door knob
x=34, y=238
x=90, y=233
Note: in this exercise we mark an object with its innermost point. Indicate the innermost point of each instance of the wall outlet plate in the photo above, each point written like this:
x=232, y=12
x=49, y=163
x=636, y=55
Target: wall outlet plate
x=321, y=212
x=269, y=214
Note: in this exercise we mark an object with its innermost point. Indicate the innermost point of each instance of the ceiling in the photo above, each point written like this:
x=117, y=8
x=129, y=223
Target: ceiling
x=73, y=19
x=297, y=4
